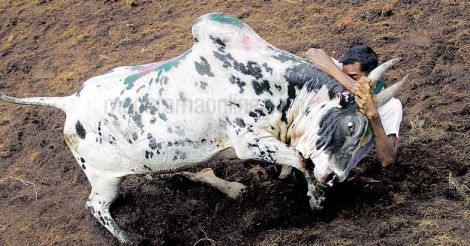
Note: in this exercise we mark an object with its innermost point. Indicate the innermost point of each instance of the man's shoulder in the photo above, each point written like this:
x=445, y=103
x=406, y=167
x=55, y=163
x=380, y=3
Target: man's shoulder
x=392, y=105
x=391, y=111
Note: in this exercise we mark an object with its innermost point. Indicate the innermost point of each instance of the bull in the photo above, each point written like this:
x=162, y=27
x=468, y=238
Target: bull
x=271, y=106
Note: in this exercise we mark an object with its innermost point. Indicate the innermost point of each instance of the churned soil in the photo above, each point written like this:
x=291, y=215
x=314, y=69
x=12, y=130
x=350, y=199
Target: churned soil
x=49, y=48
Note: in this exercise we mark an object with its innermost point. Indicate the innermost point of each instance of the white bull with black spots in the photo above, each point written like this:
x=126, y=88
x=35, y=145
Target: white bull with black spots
x=232, y=89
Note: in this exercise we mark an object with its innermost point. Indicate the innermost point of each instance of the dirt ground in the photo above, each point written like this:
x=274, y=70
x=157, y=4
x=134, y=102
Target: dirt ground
x=50, y=48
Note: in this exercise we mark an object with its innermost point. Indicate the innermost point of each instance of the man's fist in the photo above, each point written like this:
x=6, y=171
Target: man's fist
x=318, y=57
x=365, y=98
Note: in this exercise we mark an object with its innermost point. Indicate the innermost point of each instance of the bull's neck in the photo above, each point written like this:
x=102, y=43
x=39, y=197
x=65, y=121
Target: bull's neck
x=303, y=119
x=310, y=94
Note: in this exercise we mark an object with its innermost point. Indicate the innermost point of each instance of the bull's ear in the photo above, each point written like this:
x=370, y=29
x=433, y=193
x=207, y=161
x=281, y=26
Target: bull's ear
x=344, y=98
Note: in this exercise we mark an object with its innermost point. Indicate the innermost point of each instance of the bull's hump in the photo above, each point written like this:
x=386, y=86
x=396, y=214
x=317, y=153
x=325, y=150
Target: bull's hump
x=227, y=31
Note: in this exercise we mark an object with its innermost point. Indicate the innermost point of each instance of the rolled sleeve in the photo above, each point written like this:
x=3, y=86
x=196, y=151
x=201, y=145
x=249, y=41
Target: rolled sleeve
x=337, y=63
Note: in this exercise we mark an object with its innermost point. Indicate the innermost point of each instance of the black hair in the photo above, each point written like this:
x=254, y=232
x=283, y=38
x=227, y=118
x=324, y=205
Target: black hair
x=363, y=54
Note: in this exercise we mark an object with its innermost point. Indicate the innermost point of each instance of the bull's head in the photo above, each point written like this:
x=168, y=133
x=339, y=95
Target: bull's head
x=337, y=135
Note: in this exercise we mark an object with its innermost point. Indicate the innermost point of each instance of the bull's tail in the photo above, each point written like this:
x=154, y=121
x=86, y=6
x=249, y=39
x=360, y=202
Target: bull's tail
x=62, y=103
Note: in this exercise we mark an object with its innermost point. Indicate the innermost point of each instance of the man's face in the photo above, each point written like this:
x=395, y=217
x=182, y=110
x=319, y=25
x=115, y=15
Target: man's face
x=354, y=71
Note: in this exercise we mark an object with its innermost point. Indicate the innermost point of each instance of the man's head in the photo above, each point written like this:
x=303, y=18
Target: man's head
x=359, y=61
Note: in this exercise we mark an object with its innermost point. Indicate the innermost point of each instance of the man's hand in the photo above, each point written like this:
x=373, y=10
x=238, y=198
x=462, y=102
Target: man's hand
x=386, y=146
x=318, y=57
x=365, y=99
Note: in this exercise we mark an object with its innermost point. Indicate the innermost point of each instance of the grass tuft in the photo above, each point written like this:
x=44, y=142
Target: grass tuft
x=461, y=189
x=417, y=127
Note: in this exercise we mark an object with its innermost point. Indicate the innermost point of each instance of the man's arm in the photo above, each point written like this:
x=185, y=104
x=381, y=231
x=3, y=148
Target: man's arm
x=323, y=61
x=386, y=146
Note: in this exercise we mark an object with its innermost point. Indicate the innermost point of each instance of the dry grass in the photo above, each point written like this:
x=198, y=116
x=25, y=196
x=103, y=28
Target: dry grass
x=33, y=156
x=6, y=118
x=66, y=76
x=132, y=3
x=25, y=183
x=204, y=239
x=9, y=42
x=343, y=242
x=461, y=189
x=417, y=127
x=421, y=129
x=466, y=215
x=426, y=223
x=4, y=151
x=444, y=240
x=416, y=123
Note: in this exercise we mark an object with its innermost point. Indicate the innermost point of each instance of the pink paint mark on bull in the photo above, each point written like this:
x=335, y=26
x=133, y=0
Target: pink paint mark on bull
x=152, y=66
x=144, y=70
x=246, y=41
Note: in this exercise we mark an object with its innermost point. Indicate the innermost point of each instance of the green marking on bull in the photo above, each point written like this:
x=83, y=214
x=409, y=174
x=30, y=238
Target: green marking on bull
x=129, y=80
x=138, y=67
x=167, y=66
x=162, y=116
x=366, y=138
x=226, y=19
x=379, y=86
x=127, y=102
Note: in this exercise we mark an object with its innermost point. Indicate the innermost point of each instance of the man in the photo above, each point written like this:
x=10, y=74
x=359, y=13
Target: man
x=356, y=65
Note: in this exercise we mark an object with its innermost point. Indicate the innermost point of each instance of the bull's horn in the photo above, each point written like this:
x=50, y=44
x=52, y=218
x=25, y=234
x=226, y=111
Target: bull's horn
x=376, y=74
x=390, y=92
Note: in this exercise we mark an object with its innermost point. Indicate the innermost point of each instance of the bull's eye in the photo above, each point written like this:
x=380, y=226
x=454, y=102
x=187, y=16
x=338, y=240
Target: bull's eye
x=351, y=127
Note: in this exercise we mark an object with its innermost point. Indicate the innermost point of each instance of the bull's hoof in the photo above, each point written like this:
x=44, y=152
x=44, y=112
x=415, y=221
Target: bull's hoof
x=134, y=239
x=284, y=175
x=149, y=177
x=286, y=171
x=235, y=190
x=316, y=203
x=159, y=177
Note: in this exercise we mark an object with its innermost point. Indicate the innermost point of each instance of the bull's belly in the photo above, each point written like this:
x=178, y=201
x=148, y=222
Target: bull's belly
x=174, y=154
x=172, y=160
x=160, y=148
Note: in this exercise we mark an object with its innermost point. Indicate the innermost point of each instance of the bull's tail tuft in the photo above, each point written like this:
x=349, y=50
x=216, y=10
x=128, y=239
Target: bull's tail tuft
x=57, y=102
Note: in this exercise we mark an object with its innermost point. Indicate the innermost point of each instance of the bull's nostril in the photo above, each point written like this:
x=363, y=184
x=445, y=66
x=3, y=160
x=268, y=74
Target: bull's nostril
x=331, y=179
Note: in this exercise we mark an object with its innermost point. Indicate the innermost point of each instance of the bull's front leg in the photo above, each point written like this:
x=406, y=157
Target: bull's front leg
x=316, y=192
x=265, y=147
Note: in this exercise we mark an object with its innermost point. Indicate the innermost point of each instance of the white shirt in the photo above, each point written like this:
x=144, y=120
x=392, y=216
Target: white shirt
x=391, y=113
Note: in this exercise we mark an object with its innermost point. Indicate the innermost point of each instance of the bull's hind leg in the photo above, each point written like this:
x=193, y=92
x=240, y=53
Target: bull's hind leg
x=207, y=176
x=104, y=191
